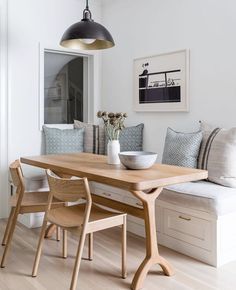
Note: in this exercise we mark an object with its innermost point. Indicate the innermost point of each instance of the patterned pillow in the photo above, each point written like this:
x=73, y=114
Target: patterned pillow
x=218, y=154
x=63, y=141
x=131, y=138
x=182, y=149
x=94, y=137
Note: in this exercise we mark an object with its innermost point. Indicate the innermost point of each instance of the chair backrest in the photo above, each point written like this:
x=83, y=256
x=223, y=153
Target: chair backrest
x=68, y=189
x=17, y=175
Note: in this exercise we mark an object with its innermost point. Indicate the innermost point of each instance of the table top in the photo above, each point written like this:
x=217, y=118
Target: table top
x=95, y=168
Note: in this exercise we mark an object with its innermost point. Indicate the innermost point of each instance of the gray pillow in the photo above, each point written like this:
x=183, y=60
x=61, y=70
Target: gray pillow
x=182, y=149
x=63, y=141
x=131, y=139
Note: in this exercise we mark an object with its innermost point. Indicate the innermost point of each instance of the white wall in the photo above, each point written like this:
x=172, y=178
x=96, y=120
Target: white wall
x=3, y=109
x=142, y=28
x=31, y=22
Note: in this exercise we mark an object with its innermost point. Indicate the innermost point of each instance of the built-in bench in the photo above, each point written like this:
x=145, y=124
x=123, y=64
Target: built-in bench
x=198, y=219
x=195, y=218
x=35, y=180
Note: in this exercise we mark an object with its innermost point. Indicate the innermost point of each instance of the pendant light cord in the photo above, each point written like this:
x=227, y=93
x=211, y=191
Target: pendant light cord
x=87, y=13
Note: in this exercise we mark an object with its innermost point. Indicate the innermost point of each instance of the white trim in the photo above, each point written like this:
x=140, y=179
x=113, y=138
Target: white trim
x=89, y=69
x=86, y=81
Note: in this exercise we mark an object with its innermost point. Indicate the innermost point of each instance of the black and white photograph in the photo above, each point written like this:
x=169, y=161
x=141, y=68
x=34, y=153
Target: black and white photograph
x=161, y=82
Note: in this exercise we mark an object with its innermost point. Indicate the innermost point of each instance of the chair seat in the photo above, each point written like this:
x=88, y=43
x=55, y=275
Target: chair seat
x=38, y=198
x=72, y=216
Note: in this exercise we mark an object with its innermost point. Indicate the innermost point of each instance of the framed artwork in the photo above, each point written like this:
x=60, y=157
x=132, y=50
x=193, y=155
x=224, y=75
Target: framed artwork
x=161, y=82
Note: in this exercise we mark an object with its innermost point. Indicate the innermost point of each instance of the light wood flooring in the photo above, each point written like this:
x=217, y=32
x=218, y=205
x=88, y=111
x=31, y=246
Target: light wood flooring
x=103, y=273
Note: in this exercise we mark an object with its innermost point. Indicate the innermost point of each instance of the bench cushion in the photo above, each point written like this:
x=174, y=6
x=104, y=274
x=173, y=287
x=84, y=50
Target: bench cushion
x=35, y=178
x=202, y=195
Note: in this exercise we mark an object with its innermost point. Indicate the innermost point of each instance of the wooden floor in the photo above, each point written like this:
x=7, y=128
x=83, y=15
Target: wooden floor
x=103, y=272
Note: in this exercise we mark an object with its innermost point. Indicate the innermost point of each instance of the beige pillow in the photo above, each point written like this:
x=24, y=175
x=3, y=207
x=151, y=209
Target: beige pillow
x=218, y=154
x=94, y=137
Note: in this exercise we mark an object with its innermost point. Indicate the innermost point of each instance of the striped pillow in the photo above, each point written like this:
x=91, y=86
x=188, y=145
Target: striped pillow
x=218, y=154
x=94, y=137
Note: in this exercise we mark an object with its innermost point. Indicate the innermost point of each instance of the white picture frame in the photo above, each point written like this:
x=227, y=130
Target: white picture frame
x=161, y=82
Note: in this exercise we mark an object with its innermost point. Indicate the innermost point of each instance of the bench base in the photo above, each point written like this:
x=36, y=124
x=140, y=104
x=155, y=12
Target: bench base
x=197, y=234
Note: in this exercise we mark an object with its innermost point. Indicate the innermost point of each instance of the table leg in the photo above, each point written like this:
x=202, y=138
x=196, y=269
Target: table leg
x=51, y=229
x=152, y=253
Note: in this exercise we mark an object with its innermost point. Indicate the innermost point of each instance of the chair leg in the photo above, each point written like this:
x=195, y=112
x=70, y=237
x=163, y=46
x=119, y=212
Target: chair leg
x=78, y=261
x=124, y=248
x=58, y=234
x=39, y=249
x=90, y=246
x=9, y=238
x=9, y=223
x=64, y=244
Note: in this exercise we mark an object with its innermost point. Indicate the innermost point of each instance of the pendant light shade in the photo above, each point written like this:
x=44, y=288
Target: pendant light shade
x=87, y=34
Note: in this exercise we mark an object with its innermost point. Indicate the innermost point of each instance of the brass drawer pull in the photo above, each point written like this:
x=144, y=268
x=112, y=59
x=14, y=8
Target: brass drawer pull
x=184, y=218
x=106, y=194
x=139, y=204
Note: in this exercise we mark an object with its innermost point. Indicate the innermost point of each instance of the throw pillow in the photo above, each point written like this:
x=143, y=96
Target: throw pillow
x=94, y=137
x=182, y=149
x=63, y=141
x=131, y=139
x=218, y=154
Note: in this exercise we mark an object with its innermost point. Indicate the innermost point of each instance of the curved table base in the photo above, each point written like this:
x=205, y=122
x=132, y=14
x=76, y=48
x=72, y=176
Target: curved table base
x=144, y=268
x=152, y=255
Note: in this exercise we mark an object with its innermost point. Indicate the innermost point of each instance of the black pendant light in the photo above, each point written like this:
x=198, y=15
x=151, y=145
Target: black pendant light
x=87, y=34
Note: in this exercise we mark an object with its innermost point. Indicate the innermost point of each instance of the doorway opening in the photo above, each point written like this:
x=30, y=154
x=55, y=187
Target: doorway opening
x=65, y=87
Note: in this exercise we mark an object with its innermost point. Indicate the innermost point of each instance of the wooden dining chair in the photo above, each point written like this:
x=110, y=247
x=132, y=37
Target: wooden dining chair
x=83, y=218
x=23, y=202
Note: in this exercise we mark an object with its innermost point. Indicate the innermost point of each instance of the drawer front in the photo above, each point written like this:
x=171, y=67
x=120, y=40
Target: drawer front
x=96, y=185
x=136, y=228
x=192, y=230
x=108, y=194
x=133, y=201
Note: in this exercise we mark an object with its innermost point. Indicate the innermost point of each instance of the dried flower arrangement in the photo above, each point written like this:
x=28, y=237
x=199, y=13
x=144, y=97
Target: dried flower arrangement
x=114, y=123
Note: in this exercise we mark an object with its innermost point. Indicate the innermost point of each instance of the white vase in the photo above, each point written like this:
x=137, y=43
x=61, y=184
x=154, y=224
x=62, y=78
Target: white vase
x=113, y=149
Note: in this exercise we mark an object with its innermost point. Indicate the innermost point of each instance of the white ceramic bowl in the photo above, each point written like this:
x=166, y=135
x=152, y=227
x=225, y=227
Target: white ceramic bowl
x=137, y=159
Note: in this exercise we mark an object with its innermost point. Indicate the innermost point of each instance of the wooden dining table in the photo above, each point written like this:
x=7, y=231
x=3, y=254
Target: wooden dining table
x=146, y=185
